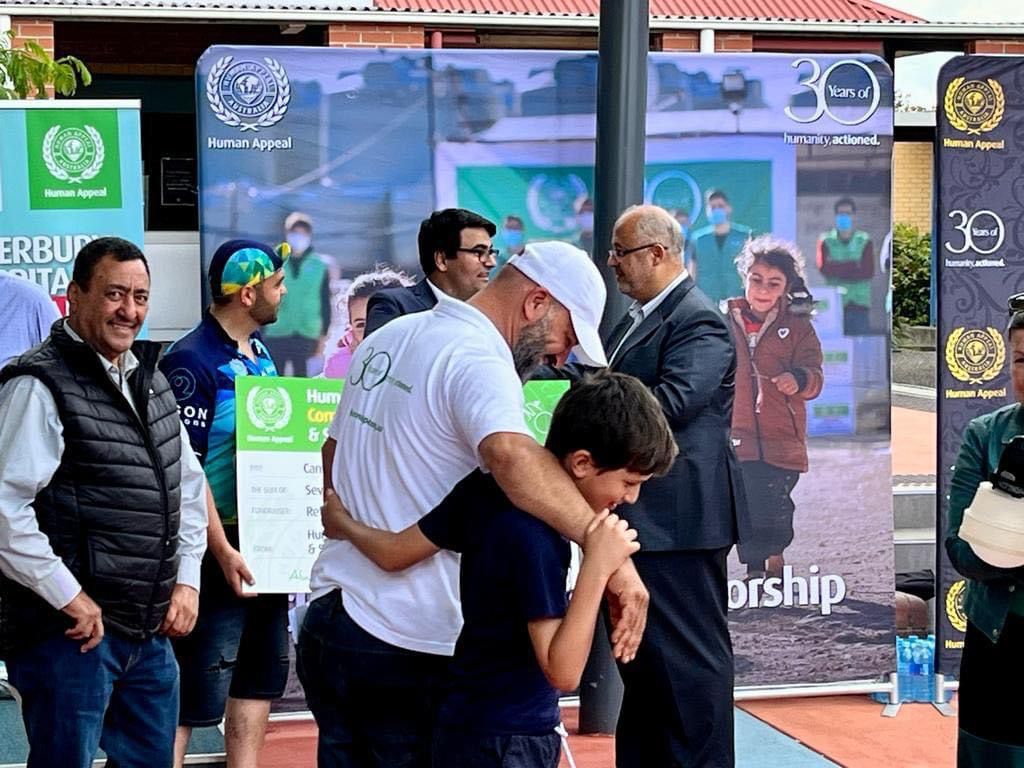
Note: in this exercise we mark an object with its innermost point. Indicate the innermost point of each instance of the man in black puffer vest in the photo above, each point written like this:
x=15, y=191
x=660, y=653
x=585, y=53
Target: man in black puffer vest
x=102, y=526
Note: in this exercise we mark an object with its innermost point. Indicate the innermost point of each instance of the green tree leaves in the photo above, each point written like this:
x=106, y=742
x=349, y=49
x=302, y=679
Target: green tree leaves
x=27, y=71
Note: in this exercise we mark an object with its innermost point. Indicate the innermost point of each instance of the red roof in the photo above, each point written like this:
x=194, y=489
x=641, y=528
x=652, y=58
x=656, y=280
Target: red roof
x=787, y=10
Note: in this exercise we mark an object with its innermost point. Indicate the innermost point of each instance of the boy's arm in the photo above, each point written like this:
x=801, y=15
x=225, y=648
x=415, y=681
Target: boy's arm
x=562, y=645
x=387, y=550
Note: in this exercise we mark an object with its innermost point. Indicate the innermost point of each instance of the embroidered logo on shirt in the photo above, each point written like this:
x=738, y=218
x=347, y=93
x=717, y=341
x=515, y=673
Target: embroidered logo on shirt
x=783, y=333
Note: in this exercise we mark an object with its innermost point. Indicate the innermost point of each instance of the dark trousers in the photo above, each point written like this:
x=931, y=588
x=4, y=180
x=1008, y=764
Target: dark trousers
x=239, y=647
x=856, y=320
x=990, y=675
x=122, y=696
x=295, y=349
x=770, y=508
x=374, y=704
x=677, y=708
x=465, y=749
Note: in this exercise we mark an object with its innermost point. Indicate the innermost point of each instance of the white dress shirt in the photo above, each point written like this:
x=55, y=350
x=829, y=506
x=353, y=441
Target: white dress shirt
x=640, y=312
x=32, y=444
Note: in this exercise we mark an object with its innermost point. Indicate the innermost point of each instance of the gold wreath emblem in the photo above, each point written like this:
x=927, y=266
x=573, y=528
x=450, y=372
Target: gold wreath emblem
x=974, y=106
x=975, y=355
x=955, y=606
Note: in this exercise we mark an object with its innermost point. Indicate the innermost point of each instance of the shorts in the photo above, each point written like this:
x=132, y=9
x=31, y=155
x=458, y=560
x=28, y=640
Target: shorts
x=239, y=647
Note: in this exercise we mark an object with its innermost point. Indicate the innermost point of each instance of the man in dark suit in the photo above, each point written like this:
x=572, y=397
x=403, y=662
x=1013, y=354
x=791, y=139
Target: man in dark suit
x=677, y=708
x=456, y=257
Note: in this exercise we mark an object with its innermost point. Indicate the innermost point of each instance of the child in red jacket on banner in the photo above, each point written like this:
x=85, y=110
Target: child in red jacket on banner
x=778, y=369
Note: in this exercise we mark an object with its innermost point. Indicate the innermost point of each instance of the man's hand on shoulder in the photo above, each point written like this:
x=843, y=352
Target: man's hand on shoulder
x=182, y=613
x=88, y=618
x=628, y=599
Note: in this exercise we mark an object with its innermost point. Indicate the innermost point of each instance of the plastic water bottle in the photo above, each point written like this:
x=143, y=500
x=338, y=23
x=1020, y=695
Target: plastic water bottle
x=929, y=668
x=905, y=658
x=910, y=690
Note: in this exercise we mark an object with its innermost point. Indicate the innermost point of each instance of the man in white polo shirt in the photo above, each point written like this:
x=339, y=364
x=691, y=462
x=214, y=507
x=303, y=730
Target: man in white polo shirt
x=429, y=398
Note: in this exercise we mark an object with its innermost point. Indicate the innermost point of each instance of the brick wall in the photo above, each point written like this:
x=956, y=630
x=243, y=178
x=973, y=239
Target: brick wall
x=376, y=36
x=39, y=30
x=743, y=41
x=680, y=41
x=912, y=184
x=996, y=46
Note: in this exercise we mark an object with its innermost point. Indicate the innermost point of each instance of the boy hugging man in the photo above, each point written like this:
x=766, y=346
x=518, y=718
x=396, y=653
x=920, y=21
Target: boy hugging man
x=522, y=640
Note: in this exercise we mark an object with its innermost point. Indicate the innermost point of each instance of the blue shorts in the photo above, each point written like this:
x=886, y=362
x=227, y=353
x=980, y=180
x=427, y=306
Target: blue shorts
x=239, y=647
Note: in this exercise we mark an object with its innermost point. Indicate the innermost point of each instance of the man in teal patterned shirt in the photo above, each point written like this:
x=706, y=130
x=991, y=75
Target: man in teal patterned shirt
x=236, y=659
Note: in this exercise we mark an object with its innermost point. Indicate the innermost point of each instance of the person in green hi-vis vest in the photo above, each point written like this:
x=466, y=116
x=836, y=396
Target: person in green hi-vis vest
x=712, y=262
x=305, y=314
x=846, y=259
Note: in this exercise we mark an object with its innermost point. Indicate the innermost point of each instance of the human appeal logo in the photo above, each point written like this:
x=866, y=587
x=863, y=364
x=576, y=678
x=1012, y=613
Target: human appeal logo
x=73, y=154
x=974, y=106
x=73, y=158
x=955, y=606
x=975, y=355
x=269, y=408
x=248, y=95
x=551, y=198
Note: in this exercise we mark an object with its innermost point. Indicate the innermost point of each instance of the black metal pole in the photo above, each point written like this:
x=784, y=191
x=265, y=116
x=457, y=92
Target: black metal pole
x=623, y=40
x=618, y=183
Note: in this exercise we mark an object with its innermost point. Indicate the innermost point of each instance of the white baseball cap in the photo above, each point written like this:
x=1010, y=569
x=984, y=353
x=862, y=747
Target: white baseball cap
x=994, y=527
x=570, y=275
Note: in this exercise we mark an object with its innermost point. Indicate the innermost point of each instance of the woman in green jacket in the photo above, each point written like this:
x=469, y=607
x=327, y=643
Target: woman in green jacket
x=992, y=666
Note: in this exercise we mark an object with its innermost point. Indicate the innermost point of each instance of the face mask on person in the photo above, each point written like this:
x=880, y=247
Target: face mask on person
x=513, y=237
x=844, y=222
x=718, y=216
x=299, y=242
x=585, y=221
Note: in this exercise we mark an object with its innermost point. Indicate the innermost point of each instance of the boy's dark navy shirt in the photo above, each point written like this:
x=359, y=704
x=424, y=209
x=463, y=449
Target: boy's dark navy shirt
x=513, y=572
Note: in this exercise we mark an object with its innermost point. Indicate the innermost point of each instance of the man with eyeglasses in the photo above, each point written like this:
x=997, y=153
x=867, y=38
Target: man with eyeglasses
x=677, y=704
x=456, y=256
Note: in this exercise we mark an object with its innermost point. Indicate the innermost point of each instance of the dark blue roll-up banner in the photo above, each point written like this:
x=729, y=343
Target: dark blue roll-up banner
x=363, y=144
x=978, y=236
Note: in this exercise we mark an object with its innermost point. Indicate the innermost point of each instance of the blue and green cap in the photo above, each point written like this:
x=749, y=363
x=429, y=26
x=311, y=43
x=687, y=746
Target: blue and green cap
x=237, y=264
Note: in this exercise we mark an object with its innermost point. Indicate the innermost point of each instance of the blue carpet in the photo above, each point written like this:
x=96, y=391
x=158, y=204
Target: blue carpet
x=758, y=745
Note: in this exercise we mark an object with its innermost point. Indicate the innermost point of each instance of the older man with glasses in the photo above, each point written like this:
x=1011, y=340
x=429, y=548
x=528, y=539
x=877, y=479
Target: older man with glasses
x=677, y=705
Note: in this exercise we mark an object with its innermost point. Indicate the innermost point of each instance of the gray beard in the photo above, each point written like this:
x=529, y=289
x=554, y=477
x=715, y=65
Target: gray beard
x=528, y=351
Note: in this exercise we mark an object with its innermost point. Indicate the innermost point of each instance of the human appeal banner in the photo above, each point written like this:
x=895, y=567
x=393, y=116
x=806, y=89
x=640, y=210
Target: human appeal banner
x=70, y=171
x=346, y=151
x=979, y=248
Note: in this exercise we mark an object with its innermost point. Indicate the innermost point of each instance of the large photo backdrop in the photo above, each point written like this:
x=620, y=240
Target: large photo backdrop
x=979, y=249
x=364, y=144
